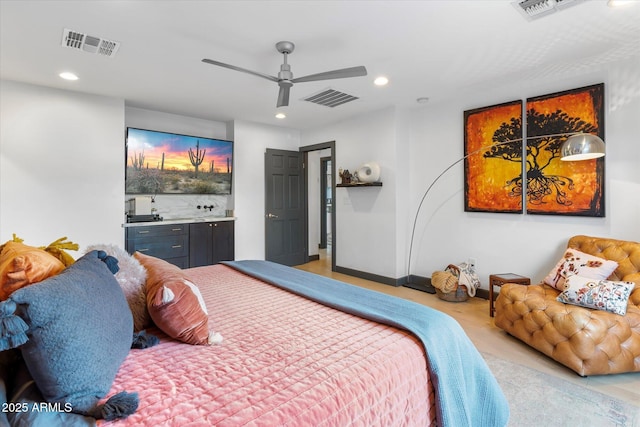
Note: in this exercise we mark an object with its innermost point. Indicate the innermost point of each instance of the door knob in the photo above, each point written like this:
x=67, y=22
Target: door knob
x=272, y=216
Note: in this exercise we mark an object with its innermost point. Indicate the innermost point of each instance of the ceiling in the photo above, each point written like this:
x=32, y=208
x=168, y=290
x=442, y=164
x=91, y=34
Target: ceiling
x=426, y=48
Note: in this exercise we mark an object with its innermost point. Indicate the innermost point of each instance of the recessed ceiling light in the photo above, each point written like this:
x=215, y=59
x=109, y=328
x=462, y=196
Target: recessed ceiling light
x=616, y=3
x=68, y=76
x=381, y=81
x=281, y=116
x=422, y=100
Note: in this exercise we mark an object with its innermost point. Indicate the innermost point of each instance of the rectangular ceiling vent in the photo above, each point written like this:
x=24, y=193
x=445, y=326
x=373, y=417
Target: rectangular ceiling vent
x=91, y=44
x=330, y=98
x=534, y=9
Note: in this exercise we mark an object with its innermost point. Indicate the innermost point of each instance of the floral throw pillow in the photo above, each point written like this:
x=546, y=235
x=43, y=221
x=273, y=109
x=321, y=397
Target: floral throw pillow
x=581, y=264
x=598, y=294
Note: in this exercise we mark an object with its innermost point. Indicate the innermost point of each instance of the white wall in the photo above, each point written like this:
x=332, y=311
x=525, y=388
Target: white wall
x=524, y=244
x=415, y=146
x=61, y=166
x=62, y=174
x=403, y=212
x=365, y=217
x=250, y=143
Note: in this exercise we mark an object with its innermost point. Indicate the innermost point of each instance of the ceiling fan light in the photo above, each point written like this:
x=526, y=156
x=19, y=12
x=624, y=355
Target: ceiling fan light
x=582, y=146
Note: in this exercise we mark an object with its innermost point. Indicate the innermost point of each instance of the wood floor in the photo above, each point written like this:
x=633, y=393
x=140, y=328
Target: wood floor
x=474, y=317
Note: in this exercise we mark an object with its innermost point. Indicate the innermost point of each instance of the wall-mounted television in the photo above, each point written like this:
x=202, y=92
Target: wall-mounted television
x=170, y=163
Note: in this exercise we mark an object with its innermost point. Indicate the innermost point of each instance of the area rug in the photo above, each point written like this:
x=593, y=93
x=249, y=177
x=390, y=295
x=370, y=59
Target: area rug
x=539, y=399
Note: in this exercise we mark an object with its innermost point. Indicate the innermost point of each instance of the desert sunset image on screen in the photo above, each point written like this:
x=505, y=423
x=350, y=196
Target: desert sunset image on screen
x=168, y=163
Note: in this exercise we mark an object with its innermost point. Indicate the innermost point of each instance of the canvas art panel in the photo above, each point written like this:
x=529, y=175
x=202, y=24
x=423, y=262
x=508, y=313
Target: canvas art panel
x=493, y=174
x=555, y=187
x=494, y=163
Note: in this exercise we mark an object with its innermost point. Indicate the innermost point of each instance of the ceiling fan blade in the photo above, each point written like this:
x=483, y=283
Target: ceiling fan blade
x=335, y=74
x=283, y=96
x=233, y=67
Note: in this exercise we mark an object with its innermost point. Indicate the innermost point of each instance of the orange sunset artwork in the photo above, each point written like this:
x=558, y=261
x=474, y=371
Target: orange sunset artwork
x=554, y=186
x=493, y=176
x=489, y=183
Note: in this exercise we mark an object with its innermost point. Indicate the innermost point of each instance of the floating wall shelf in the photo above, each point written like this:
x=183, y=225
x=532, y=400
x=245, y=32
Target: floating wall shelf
x=361, y=184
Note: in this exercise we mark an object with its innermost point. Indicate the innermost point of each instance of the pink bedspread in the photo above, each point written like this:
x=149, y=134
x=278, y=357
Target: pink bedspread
x=285, y=360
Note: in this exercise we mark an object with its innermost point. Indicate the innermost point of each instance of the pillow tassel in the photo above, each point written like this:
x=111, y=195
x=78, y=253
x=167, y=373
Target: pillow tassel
x=143, y=340
x=57, y=249
x=12, y=328
x=111, y=262
x=120, y=405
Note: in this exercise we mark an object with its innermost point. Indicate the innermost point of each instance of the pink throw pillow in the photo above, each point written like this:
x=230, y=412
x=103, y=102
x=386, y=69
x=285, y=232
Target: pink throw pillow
x=579, y=263
x=175, y=304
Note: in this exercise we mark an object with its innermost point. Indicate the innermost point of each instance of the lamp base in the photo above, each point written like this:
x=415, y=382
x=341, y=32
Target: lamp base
x=424, y=288
x=420, y=284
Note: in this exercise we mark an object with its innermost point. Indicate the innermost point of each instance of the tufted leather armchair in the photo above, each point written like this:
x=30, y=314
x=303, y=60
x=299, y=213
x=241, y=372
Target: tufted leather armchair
x=590, y=342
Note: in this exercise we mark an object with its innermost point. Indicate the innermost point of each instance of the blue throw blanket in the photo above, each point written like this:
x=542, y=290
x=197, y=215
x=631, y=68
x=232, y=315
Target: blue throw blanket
x=467, y=393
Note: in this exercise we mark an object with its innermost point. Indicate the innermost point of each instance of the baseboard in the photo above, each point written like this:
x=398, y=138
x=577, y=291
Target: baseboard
x=370, y=276
x=419, y=283
x=313, y=258
x=482, y=293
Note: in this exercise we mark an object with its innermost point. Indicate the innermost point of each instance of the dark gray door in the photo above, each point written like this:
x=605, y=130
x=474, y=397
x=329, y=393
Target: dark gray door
x=284, y=207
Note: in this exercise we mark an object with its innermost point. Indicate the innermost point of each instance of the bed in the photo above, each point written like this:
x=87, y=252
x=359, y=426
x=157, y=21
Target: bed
x=299, y=349
x=288, y=360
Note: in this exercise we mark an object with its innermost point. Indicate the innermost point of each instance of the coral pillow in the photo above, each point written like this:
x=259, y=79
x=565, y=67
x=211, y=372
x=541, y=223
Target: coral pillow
x=581, y=264
x=175, y=304
x=131, y=277
x=598, y=294
x=22, y=265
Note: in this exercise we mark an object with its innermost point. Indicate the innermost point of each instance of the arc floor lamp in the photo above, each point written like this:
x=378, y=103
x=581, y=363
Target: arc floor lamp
x=579, y=146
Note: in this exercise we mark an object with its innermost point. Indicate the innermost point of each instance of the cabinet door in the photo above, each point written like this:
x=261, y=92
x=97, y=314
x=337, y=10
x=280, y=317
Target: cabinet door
x=200, y=244
x=223, y=241
x=210, y=243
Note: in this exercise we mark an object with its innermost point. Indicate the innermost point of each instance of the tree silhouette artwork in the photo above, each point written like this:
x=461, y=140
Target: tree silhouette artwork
x=543, y=185
x=511, y=131
x=495, y=179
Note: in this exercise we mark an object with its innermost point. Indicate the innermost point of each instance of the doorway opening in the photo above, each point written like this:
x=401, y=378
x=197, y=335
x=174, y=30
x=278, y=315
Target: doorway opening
x=326, y=203
x=320, y=172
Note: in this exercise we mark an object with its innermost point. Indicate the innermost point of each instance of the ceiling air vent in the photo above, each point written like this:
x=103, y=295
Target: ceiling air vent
x=533, y=9
x=330, y=98
x=90, y=44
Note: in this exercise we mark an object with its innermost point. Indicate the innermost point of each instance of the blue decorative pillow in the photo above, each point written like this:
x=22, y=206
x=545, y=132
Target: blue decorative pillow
x=27, y=407
x=79, y=332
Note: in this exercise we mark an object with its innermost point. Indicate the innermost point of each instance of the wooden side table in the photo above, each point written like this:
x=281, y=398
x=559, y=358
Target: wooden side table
x=501, y=279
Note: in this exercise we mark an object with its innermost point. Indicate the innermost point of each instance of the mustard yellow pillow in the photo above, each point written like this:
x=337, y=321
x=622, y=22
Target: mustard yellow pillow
x=22, y=265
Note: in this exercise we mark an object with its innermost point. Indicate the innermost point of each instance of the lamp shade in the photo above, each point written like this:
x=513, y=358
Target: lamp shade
x=583, y=146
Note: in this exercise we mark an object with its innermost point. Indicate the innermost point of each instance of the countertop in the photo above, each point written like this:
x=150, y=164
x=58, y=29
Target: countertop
x=169, y=221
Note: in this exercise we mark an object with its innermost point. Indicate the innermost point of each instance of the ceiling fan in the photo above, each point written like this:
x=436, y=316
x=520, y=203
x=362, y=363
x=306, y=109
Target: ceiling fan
x=285, y=77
